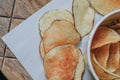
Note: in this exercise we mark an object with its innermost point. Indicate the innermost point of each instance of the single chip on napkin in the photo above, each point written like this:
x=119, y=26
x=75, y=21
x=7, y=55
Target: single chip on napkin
x=83, y=16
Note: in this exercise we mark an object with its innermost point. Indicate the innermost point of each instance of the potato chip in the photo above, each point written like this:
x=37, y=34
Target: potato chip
x=60, y=62
x=59, y=33
x=50, y=16
x=102, y=54
x=102, y=72
x=83, y=16
x=104, y=36
x=118, y=30
x=118, y=70
x=80, y=67
x=105, y=6
x=117, y=26
x=114, y=57
x=41, y=48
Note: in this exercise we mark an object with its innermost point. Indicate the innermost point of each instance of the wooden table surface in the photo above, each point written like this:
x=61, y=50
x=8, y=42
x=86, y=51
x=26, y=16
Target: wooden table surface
x=12, y=13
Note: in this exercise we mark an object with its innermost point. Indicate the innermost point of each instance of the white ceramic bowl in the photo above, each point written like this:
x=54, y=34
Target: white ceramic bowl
x=107, y=17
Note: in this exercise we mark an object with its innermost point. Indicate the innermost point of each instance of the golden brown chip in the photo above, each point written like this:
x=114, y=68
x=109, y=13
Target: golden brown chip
x=83, y=16
x=102, y=72
x=118, y=30
x=105, y=6
x=60, y=62
x=59, y=33
x=104, y=36
x=118, y=70
x=115, y=27
x=114, y=57
x=102, y=54
x=80, y=67
x=50, y=16
x=42, y=51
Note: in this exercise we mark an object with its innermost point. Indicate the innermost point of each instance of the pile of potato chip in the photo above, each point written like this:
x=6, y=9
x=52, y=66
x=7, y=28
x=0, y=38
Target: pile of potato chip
x=105, y=50
x=62, y=60
x=61, y=32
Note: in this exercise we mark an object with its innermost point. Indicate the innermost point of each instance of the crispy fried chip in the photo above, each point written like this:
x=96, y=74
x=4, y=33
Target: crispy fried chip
x=60, y=62
x=118, y=30
x=114, y=57
x=50, y=16
x=118, y=70
x=80, y=67
x=102, y=54
x=42, y=51
x=102, y=72
x=59, y=33
x=105, y=6
x=83, y=16
x=104, y=36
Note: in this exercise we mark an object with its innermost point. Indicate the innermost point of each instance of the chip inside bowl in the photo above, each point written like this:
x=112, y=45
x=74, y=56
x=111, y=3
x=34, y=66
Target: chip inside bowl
x=102, y=72
x=105, y=51
x=99, y=71
x=114, y=58
x=104, y=36
x=102, y=54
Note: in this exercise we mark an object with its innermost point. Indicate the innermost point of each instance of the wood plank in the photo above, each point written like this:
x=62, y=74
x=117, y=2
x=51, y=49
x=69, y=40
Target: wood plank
x=4, y=25
x=25, y=8
x=1, y=60
x=13, y=70
x=14, y=23
x=6, y=7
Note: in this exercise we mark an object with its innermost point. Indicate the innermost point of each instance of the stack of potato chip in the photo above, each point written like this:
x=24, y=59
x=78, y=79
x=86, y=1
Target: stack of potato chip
x=60, y=32
x=62, y=60
x=105, y=51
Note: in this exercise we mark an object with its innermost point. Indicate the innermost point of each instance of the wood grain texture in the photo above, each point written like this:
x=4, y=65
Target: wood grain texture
x=25, y=8
x=6, y=7
x=1, y=60
x=4, y=24
x=15, y=22
x=8, y=53
x=13, y=70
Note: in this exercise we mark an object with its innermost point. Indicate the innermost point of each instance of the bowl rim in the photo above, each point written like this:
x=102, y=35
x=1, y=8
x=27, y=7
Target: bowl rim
x=90, y=41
